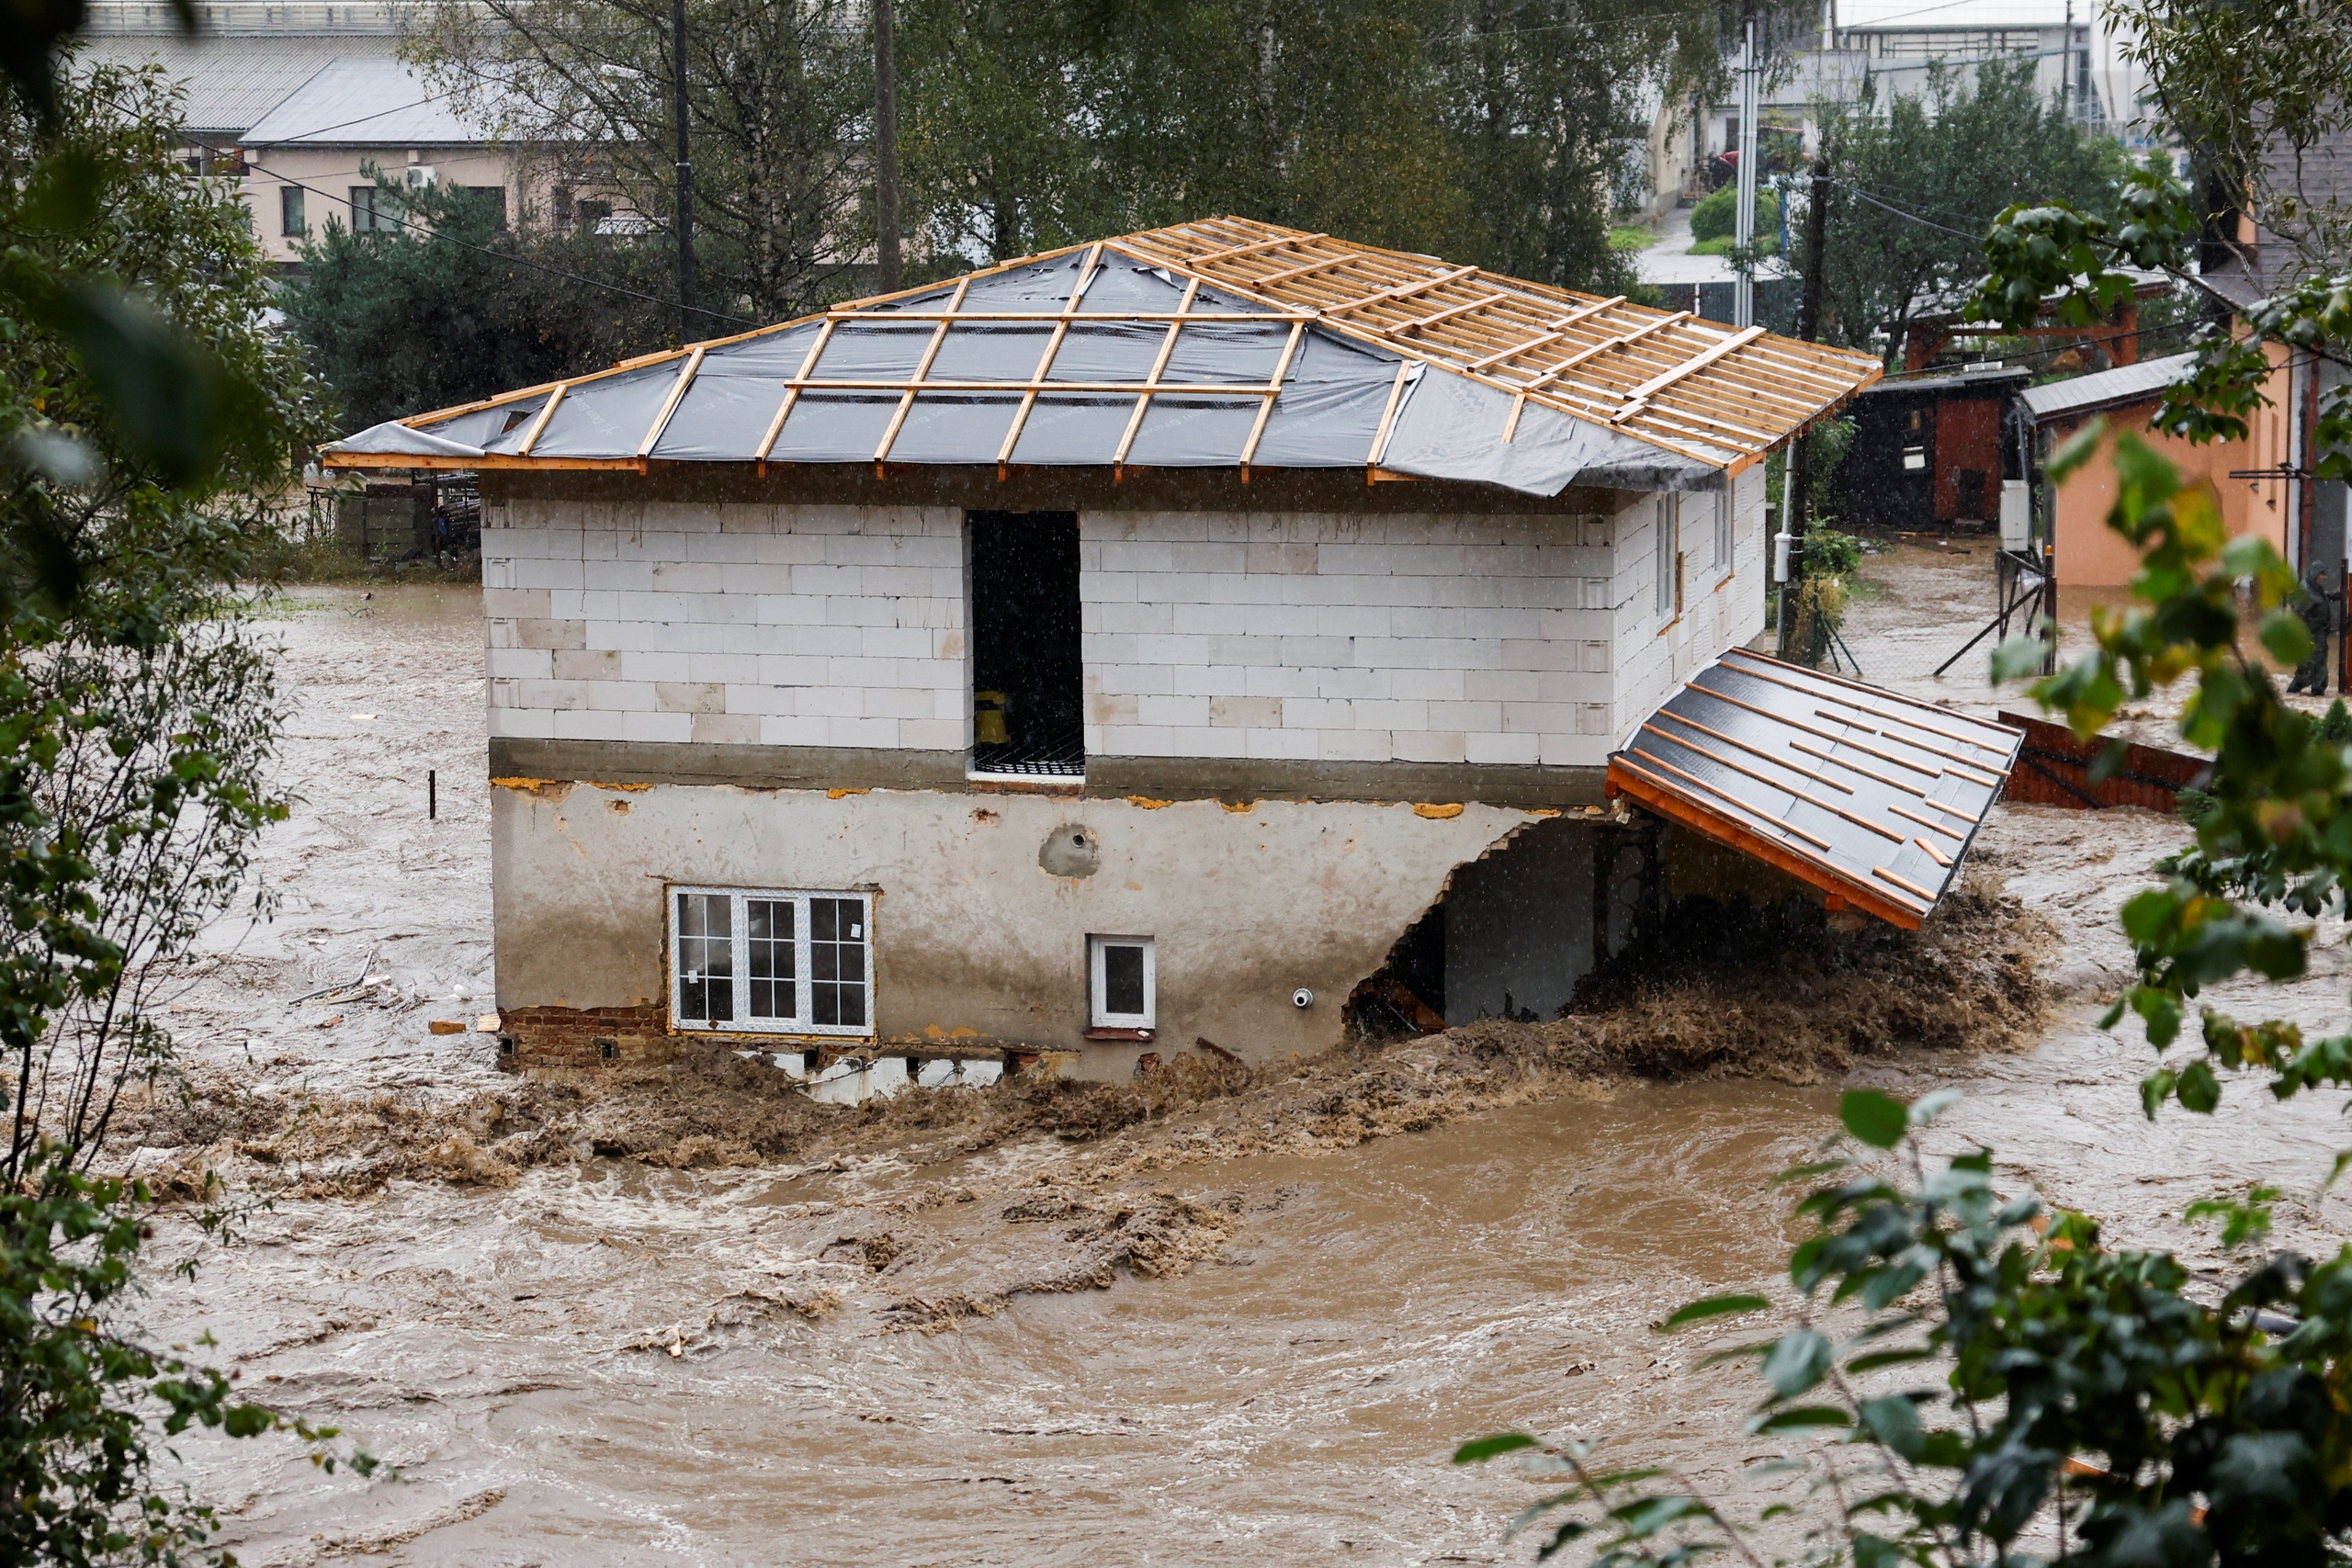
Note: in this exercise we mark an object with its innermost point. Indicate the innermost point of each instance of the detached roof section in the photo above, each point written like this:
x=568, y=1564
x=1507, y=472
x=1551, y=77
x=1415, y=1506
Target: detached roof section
x=1223, y=343
x=1870, y=797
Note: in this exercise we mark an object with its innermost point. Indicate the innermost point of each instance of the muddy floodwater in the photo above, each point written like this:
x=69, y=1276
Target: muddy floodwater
x=996, y=1356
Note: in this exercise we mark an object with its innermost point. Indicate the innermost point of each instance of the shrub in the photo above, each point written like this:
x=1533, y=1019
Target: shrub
x=1716, y=216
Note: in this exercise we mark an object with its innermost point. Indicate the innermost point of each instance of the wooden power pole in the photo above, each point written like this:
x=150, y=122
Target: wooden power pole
x=886, y=144
x=1789, y=549
x=685, y=169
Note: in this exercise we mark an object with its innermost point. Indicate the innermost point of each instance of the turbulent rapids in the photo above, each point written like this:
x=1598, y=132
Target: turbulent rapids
x=1217, y=1314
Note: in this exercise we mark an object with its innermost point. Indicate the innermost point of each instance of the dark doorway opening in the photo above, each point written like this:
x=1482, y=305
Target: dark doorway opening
x=1028, y=696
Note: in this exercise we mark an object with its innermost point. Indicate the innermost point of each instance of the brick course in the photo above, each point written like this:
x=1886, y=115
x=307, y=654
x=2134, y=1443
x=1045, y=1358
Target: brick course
x=567, y=1037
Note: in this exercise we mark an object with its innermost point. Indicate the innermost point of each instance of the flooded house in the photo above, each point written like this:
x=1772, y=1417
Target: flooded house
x=1209, y=638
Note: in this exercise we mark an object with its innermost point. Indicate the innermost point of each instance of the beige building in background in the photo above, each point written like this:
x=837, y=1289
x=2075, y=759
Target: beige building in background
x=301, y=100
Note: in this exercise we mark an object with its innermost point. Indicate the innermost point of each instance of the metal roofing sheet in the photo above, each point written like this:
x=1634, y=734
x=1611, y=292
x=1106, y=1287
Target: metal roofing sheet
x=229, y=83
x=365, y=100
x=1873, y=797
x=2105, y=389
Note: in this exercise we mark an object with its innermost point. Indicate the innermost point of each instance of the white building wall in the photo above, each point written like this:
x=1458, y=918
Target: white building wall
x=1321, y=637
x=1335, y=638
x=1721, y=608
x=781, y=626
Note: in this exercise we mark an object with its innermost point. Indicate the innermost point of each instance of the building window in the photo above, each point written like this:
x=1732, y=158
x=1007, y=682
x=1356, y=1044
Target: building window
x=492, y=197
x=373, y=211
x=764, y=962
x=291, y=220
x=1723, y=531
x=1121, y=981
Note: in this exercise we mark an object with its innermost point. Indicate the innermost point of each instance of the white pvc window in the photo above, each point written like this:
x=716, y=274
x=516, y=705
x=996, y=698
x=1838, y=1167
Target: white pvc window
x=1123, y=982
x=1723, y=530
x=765, y=961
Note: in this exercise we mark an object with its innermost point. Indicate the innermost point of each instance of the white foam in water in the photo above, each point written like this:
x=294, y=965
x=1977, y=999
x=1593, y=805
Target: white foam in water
x=850, y=1082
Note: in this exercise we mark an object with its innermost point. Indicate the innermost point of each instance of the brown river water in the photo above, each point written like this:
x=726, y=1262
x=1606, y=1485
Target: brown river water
x=878, y=1358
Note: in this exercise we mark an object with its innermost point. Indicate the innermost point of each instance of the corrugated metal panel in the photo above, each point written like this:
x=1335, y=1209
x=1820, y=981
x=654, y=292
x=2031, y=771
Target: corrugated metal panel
x=230, y=83
x=359, y=101
x=2106, y=388
x=1872, y=797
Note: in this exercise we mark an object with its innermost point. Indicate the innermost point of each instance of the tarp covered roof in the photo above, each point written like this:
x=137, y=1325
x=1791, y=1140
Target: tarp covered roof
x=1871, y=796
x=1222, y=343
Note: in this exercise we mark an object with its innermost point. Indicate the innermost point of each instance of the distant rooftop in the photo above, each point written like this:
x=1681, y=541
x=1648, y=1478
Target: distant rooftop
x=2108, y=389
x=363, y=101
x=276, y=18
x=230, y=83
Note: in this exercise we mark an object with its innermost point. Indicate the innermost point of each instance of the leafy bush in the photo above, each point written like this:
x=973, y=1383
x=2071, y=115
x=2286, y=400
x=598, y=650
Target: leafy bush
x=147, y=412
x=1717, y=216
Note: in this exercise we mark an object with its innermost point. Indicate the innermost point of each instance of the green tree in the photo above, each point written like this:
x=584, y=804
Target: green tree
x=457, y=306
x=148, y=417
x=1486, y=130
x=1919, y=181
x=1983, y=1379
x=778, y=113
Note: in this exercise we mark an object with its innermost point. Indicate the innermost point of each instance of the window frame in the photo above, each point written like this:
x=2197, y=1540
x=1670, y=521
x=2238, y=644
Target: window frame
x=801, y=1025
x=293, y=212
x=1098, y=1015
x=1725, y=547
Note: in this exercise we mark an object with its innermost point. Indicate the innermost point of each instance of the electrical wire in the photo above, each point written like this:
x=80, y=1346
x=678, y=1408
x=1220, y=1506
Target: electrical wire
x=2167, y=330
x=1899, y=212
x=341, y=125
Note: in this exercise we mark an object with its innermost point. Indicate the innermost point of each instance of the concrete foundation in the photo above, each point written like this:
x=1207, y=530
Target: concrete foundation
x=976, y=940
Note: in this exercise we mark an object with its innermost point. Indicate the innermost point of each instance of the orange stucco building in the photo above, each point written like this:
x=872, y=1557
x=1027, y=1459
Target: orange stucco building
x=2088, y=553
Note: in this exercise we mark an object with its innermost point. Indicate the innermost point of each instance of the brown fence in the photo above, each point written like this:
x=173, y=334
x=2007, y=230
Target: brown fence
x=2054, y=769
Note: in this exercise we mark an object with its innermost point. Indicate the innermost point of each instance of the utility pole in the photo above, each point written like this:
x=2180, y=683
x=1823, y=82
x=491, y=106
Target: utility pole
x=2066, y=77
x=886, y=144
x=685, y=173
x=1743, y=309
x=1789, y=548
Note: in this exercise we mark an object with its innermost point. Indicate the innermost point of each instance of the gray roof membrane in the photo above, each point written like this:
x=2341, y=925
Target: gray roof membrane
x=1335, y=391
x=1869, y=791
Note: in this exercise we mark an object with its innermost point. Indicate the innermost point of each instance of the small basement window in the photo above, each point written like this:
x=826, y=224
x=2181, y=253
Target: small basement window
x=771, y=962
x=1123, y=982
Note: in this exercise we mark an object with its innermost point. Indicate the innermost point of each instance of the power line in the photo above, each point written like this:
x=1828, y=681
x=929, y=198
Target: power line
x=1899, y=212
x=339, y=125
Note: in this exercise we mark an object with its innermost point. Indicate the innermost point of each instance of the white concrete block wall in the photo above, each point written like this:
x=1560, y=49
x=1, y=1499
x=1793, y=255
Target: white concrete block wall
x=1657, y=652
x=1322, y=636
x=1352, y=637
x=747, y=624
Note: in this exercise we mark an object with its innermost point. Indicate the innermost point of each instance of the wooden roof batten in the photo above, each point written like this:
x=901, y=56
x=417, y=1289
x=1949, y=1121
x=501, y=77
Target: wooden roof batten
x=1698, y=389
